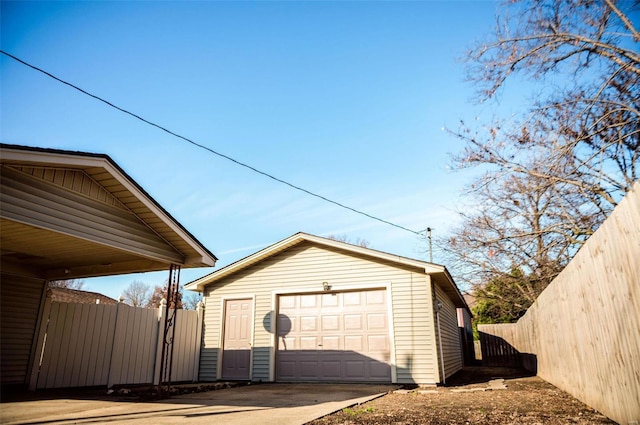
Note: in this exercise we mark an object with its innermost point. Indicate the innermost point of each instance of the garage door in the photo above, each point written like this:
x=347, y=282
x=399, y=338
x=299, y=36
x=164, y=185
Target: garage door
x=338, y=336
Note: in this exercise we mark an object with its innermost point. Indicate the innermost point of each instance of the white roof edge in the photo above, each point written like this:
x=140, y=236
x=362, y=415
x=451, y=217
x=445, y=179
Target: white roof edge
x=453, y=284
x=205, y=257
x=33, y=155
x=429, y=267
x=199, y=284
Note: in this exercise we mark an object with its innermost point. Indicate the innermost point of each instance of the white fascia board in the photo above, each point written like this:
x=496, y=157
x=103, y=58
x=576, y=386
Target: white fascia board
x=40, y=158
x=144, y=198
x=428, y=267
x=199, y=284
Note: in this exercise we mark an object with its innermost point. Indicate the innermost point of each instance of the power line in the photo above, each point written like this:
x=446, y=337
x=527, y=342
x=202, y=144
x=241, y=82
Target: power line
x=186, y=139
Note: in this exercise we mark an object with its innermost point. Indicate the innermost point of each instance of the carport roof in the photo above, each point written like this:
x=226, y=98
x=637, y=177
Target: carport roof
x=438, y=272
x=29, y=248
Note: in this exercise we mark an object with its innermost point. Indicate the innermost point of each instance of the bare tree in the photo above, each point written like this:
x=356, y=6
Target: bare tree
x=160, y=292
x=137, y=294
x=585, y=121
x=344, y=238
x=77, y=284
x=554, y=174
x=191, y=299
x=519, y=223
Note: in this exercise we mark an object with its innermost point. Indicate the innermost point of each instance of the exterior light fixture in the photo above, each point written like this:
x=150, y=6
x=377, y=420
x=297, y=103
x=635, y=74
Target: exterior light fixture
x=326, y=286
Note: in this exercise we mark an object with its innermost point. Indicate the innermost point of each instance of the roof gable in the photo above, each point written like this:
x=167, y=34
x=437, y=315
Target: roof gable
x=72, y=179
x=439, y=273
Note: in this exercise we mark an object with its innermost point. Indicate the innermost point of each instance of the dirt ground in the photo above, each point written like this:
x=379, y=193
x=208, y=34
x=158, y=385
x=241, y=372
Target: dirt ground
x=467, y=399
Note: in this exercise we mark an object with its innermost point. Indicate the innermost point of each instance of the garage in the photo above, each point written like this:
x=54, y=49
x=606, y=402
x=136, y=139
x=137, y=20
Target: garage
x=334, y=336
x=328, y=311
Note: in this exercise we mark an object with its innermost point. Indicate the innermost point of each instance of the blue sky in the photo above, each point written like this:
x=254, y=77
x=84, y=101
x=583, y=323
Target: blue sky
x=346, y=99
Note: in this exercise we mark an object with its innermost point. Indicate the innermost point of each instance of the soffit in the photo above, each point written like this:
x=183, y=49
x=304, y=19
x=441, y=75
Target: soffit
x=44, y=253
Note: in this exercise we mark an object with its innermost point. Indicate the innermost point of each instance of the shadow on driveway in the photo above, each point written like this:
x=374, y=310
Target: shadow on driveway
x=482, y=375
x=264, y=404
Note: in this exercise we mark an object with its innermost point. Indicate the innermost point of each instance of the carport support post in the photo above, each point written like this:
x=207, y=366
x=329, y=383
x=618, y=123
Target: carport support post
x=169, y=329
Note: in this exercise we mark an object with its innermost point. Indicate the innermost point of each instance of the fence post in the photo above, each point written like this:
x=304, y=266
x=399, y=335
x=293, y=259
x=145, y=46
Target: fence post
x=41, y=341
x=198, y=342
x=159, y=342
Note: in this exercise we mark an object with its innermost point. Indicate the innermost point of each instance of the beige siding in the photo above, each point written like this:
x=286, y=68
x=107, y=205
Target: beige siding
x=303, y=268
x=36, y=202
x=450, y=335
x=75, y=180
x=20, y=300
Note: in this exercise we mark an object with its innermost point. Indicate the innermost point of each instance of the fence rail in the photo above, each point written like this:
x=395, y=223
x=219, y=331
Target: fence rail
x=582, y=331
x=81, y=345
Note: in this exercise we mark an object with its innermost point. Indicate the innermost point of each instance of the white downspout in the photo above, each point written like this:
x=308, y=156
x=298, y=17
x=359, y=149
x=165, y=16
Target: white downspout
x=438, y=307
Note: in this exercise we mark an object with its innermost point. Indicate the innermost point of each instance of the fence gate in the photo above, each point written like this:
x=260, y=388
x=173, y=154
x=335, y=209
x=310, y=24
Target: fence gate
x=104, y=345
x=498, y=352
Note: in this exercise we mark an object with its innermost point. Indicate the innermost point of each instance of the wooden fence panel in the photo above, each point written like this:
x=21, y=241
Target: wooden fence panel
x=582, y=331
x=105, y=345
x=498, y=350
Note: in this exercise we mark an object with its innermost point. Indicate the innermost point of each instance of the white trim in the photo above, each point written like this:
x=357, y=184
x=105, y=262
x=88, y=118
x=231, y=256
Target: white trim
x=223, y=310
x=273, y=349
x=392, y=335
x=252, y=337
x=210, y=261
x=347, y=288
x=220, y=347
x=282, y=245
x=443, y=376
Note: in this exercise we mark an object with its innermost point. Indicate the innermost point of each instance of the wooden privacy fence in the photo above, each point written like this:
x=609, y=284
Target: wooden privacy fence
x=582, y=332
x=496, y=351
x=81, y=345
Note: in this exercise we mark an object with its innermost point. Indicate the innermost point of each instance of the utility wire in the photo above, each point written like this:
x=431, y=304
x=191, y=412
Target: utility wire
x=242, y=164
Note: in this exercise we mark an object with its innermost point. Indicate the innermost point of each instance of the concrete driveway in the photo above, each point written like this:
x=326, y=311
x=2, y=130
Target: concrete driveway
x=285, y=404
